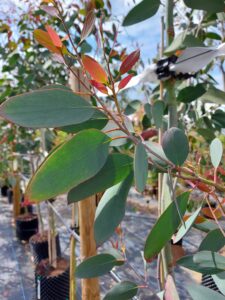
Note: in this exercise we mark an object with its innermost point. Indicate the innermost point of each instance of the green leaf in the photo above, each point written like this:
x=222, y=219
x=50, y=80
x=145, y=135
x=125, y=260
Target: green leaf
x=117, y=167
x=165, y=227
x=191, y=93
x=206, y=226
x=199, y=292
x=205, y=262
x=132, y=107
x=140, y=167
x=148, y=110
x=124, y=290
x=214, y=241
x=97, y=265
x=142, y=11
x=213, y=35
x=219, y=281
x=216, y=152
x=157, y=113
x=69, y=165
x=97, y=121
x=46, y=108
x=188, y=224
x=175, y=145
x=207, y=5
x=111, y=126
x=208, y=134
x=56, y=86
x=156, y=148
x=111, y=210
x=181, y=41
x=218, y=118
x=214, y=95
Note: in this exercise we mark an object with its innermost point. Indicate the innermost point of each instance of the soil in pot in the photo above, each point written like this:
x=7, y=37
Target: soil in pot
x=26, y=226
x=39, y=246
x=52, y=283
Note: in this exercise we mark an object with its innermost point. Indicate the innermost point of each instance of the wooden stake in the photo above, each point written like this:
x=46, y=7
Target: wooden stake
x=86, y=207
x=73, y=255
x=16, y=198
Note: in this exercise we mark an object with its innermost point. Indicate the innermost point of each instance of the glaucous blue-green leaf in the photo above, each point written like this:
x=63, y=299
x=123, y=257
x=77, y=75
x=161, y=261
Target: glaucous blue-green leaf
x=97, y=265
x=74, y=162
x=183, y=230
x=117, y=167
x=97, y=121
x=175, y=145
x=214, y=95
x=165, y=227
x=207, y=5
x=111, y=210
x=132, y=107
x=191, y=93
x=148, y=110
x=199, y=292
x=216, y=152
x=211, y=260
x=157, y=113
x=124, y=290
x=142, y=11
x=115, y=134
x=157, y=148
x=214, y=241
x=219, y=280
x=46, y=108
x=206, y=226
x=205, y=262
x=56, y=86
x=140, y=167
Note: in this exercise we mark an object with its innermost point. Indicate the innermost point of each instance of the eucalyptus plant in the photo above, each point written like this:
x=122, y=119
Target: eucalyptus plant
x=105, y=153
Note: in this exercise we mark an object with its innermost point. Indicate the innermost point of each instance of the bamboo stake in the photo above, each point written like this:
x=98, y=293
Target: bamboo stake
x=86, y=208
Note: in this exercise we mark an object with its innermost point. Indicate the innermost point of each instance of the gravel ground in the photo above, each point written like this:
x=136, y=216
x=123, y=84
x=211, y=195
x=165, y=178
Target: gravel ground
x=17, y=271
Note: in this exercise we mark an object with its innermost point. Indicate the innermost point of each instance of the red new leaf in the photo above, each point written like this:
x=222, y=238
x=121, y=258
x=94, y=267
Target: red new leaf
x=88, y=25
x=94, y=69
x=99, y=86
x=54, y=36
x=125, y=81
x=129, y=62
x=44, y=39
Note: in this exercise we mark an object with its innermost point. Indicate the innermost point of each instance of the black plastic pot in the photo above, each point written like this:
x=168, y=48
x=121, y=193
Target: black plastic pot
x=39, y=247
x=28, y=209
x=26, y=226
x=179, y=243
x=49, y=287
x=4, y=190
x=10, y=195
